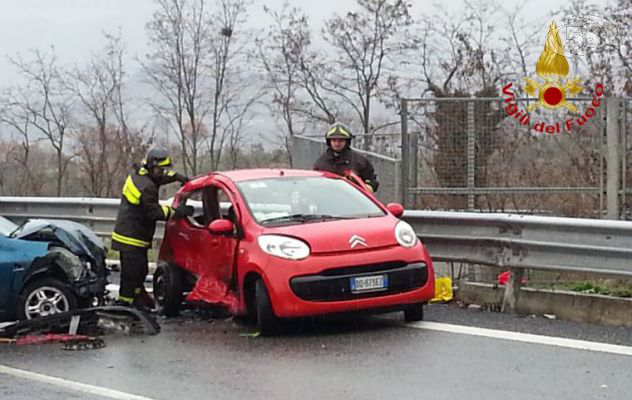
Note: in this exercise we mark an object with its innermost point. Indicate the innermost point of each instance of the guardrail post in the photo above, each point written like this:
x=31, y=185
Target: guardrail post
x=405, y=165
x=612, y=135
x=512, y=290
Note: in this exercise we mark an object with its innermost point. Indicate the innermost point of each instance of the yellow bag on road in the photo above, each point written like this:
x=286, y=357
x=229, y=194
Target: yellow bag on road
x=443, y=289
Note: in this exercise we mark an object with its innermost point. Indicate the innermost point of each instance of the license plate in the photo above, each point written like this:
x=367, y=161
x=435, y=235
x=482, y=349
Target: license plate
x=369, y=283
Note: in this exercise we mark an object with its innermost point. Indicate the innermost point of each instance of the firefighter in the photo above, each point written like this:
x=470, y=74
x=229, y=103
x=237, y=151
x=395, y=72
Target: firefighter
x=136, y=223
x=340, y=158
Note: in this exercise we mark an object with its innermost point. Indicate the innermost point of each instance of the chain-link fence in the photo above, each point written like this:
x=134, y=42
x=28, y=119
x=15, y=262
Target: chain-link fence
x=385, y=144
x=306, y=150
x=470, y=154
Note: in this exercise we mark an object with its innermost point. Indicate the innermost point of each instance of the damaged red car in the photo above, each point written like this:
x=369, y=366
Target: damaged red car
x=281, y=243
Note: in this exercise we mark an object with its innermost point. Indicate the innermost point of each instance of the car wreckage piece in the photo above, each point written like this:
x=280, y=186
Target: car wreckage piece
x=91, y=320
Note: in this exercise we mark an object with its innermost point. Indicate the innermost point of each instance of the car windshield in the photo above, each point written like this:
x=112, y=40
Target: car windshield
x=305, y=199
x=6, y=227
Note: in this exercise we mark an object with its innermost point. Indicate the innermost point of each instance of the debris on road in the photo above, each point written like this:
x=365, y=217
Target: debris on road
x=69, y=341
x=90, y=322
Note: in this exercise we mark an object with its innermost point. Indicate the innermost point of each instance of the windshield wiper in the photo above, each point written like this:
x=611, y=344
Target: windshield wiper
x=16, y=230
x=303, y=218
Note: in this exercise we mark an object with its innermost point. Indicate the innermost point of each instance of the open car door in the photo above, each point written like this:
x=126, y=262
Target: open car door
x=209, y=255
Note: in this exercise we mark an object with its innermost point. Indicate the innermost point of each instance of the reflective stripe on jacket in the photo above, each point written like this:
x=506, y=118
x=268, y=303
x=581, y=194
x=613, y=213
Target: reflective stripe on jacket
x=139, y=210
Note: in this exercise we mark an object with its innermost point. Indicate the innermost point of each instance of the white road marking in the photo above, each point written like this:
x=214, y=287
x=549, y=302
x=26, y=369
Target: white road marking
x=524, y=337
x=63, y=383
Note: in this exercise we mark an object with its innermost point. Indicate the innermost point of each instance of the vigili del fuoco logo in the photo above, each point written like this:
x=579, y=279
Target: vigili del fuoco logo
x=552, y=68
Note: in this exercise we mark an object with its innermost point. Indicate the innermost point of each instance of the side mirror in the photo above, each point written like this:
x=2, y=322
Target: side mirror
x=396, y=209
x=221, y=226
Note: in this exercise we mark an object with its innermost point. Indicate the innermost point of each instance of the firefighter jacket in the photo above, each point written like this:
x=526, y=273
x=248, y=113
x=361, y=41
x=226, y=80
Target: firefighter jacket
x=140, y=209
x=345, y=161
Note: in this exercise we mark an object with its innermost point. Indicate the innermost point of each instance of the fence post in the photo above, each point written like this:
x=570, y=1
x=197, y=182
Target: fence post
x=414, y=165
x=471, y=143
x=624, y=161
x=405, y=165
x=613, y=106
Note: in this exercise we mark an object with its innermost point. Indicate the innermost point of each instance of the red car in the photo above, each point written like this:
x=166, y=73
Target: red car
x=281, y=243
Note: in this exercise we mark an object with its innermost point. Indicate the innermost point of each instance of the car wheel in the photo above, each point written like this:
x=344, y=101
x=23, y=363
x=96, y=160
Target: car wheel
x=414, y=312
x=267, y=322
x=167, y=282
x=43, y=297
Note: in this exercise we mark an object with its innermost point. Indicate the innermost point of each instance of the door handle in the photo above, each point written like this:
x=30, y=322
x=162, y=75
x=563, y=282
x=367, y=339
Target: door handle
x=214, y=242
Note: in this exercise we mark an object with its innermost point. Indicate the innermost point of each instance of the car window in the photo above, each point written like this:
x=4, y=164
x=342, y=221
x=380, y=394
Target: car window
x=195, y=199
x=218, y=205
x=6, y=226
x=277, y=197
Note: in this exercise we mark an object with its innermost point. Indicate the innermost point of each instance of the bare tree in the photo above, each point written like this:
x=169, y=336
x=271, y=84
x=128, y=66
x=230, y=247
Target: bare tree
x=364, y=41
x=98, y=88
x=239, y=116
x=19, y=150
x=179, y=39
x=459, y=58
x=280, y=52
x=457, y=52
x=49, y=105
x=193, y=48
x=229, y=39
x=133, y=142
x=603, y=46
x=620, y=14
x=520, y=41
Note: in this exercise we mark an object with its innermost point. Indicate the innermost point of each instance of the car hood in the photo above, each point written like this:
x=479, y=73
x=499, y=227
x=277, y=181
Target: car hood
x=343, y=235
x=76, y=237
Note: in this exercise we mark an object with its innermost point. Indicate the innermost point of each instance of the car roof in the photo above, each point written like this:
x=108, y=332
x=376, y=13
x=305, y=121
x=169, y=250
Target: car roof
x=241, y=175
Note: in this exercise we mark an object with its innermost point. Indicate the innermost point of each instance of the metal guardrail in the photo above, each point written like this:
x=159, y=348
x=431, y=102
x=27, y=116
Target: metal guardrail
x=526, y=241
x=502, y=240
x=97, y=214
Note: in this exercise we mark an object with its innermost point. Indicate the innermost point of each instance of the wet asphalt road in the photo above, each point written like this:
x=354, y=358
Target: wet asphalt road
x=376, y=357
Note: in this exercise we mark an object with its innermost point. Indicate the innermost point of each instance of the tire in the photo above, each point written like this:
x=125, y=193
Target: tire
x=268, y=323
x=414, y=312
x=168, y=292
x=45, y=296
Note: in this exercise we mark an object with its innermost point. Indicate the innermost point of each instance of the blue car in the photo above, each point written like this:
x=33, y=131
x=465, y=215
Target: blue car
x=49, y=266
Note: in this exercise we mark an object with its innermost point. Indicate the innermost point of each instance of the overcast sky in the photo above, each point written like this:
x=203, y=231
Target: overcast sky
x=75, y=27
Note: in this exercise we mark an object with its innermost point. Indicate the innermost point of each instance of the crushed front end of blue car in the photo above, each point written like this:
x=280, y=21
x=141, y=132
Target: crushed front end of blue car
x=62, y=252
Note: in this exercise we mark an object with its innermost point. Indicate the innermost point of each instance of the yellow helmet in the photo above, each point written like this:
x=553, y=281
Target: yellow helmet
x=338, y=131
x=157, y=157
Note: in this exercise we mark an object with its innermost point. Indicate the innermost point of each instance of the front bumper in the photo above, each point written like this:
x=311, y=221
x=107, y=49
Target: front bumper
x=322, y=284
x=334, y=284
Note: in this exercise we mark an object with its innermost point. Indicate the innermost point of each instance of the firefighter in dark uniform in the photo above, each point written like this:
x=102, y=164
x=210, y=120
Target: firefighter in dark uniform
x=339, y=158
x=136, y=223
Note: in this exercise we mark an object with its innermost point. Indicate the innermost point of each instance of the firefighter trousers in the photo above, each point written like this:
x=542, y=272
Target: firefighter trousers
x=134, y=268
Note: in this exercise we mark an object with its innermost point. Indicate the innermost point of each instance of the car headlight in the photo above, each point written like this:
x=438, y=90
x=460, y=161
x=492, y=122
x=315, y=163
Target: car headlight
x=283, y=246
x=405, y=234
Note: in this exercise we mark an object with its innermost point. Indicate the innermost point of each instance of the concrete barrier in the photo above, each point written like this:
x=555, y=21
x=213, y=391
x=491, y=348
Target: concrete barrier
x=572, y=306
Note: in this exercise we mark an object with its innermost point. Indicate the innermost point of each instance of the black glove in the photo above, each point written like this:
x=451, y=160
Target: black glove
x=182, y=178
x=183, y=211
